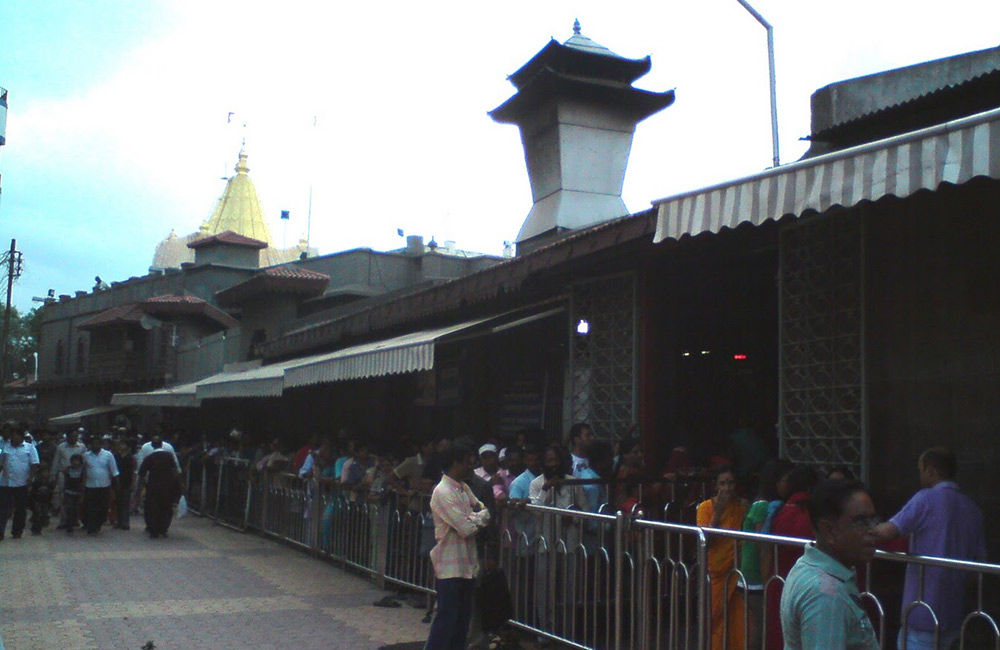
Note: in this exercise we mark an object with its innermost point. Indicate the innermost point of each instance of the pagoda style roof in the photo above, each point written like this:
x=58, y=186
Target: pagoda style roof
x=548, y=83
x=166, y=304
x=228, y=237
x=583, y=57
x=285, y=279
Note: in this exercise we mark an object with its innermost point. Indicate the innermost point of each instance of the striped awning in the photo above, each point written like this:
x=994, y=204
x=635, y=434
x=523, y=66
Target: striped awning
x=181, y=395
x=73, y=418
x=408, y=353
x=953, y=152
x=255, y=381
x=412, y=352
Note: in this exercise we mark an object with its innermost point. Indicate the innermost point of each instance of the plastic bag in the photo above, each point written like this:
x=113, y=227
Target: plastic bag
x=182, y=507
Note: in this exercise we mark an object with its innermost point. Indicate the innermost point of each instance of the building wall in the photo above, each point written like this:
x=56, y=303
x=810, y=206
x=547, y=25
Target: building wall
x=60, y=321
x=933, y=340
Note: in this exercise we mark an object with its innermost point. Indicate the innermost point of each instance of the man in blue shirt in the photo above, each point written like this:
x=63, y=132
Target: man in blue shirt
x=18, y=463
x=820, y=604
x=525, y=529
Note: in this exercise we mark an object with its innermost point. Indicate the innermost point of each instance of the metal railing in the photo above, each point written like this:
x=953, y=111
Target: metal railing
x=589, y=581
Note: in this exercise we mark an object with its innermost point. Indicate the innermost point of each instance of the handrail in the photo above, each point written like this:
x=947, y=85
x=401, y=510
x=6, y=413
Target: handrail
x=637, y=582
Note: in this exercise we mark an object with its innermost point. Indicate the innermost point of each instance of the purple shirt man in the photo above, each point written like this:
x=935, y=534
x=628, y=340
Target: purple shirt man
x=943, y=522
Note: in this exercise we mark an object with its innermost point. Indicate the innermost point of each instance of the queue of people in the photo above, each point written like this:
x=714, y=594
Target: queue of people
x=459, y=485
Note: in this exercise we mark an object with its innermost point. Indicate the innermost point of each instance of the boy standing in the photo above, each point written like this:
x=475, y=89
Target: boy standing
x=40, y=500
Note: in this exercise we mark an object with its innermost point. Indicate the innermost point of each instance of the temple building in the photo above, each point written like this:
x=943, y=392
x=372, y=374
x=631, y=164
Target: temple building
x=238, y=210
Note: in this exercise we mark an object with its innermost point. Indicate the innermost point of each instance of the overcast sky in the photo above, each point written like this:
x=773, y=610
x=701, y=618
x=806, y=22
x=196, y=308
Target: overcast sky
x=117, y=128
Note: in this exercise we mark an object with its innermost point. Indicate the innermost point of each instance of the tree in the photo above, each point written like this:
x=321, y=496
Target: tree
x=22, y=343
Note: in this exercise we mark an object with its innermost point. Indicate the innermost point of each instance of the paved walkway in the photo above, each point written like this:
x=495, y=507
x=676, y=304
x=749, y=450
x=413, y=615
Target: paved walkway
x=204, y=587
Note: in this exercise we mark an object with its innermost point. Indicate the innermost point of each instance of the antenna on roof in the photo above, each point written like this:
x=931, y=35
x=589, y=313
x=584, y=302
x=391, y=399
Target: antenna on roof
x=309, y=214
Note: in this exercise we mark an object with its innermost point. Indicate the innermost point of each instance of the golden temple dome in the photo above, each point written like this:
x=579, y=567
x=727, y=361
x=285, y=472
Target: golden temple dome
x=237, y=210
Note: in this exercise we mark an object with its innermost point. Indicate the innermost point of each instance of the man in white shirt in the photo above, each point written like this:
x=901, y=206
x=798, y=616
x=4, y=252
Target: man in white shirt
x=64, y=451
x=581, y=436
x=156, y=443
x=101, y=476
x=548, y=490
x=18, y=463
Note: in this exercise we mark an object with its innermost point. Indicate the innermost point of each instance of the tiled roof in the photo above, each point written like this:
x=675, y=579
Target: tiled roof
x=172, y=298
x=285, y=279
x=229, y=237
x=132, y=313
x=293, y=271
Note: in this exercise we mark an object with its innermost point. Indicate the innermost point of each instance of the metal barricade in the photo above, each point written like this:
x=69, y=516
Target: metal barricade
x=286, y=510
x=194, y=473
x=233, y=491
x=563, y=574
x=349, y=528
x=408, y=535
x=589, y=581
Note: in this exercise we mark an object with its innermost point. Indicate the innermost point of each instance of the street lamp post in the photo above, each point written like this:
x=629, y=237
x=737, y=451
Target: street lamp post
x=770, y=70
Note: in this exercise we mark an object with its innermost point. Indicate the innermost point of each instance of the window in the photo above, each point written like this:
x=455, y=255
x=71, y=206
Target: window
x=81, y=351
x=60, y=357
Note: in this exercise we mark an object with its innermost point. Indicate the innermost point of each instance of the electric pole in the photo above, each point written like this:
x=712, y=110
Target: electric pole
x=13, y=271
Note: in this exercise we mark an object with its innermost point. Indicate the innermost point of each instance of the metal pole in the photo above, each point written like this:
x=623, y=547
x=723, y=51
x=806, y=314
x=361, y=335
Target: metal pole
x=770, y=69
x=619, y=567
x=6, y=318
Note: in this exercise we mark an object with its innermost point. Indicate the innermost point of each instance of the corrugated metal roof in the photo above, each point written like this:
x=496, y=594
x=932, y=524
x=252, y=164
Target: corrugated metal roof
x=408, y=353
x=954, y=152
x=260, y=381
x=181, y=395
x=73, y=418
x=851, y=100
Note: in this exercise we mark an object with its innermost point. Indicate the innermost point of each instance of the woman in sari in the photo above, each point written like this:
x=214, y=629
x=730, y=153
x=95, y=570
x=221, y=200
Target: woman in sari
x=725, y=510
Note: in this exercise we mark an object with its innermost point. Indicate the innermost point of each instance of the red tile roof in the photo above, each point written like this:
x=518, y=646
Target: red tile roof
x=285, y=279
x=121, y=314
x=170, y=304
x=293, y=271
x=173, y=298
x=228, y=237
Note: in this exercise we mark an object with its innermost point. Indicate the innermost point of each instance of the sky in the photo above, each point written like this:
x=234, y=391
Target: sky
x=117, y=127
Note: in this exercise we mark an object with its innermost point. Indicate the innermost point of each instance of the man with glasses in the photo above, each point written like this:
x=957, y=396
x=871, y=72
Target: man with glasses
x=943, y=522
x=820, y=605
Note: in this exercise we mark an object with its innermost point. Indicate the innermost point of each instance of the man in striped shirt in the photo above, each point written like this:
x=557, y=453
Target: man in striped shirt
x=458, y=517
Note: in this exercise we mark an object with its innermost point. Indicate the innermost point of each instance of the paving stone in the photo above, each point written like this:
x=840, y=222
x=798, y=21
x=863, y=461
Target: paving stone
x=205, y=586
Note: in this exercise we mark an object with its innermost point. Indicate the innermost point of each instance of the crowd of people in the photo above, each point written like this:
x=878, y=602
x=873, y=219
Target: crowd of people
x=458, y=486
x=820, y=605
x=85, y=480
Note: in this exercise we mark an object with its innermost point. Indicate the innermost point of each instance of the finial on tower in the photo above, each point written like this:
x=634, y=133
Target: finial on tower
x=241, y=166
x=576, y=26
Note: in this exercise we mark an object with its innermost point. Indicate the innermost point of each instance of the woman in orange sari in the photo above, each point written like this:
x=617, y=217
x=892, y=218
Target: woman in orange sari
x=725, y=510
